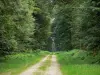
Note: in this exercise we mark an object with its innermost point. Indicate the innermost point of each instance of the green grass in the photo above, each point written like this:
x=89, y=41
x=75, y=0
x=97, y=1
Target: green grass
x=17, y=63
x=78, y=62
x=80, y=69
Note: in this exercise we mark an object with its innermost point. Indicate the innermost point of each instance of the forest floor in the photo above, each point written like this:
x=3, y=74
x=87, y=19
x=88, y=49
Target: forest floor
x=47, y=66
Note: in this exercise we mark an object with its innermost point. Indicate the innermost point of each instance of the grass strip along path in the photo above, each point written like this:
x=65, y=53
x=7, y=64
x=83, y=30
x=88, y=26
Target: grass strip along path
x=47, y=66
x=34, y=68
x=77, y=62
x=17, y=63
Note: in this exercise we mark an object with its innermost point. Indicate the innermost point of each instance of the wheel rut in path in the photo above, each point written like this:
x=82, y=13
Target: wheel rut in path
x=54, y=69
x=34, y=68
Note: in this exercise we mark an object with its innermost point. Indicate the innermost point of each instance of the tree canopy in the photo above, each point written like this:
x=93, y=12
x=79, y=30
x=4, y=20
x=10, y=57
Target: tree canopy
x=28, y=25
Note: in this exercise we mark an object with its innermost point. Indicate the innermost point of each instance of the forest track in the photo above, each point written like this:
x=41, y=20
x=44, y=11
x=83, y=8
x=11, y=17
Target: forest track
x=52, y=69
x=34, y=68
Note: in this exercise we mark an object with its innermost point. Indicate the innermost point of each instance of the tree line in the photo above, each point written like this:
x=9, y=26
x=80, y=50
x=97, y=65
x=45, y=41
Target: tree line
x=24, y=26
x=28, y=25
x=77, y=24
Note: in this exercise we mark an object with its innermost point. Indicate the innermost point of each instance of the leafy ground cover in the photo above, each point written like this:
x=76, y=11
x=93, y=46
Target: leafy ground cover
x=16, y=63
x=78, y=62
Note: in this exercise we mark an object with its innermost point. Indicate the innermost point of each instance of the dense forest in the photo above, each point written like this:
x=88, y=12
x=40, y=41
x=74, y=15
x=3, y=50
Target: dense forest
x=77, y=25
x=23, y=26
x=29, y=25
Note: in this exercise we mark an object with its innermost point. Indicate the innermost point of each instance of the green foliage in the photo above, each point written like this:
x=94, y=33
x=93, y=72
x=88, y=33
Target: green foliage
x=78, y=57
x=16, y=24
x=42, y=29
x=76, y=25
x=78, y=62
x=20, y=30
x=61, y=28
x=80, y=69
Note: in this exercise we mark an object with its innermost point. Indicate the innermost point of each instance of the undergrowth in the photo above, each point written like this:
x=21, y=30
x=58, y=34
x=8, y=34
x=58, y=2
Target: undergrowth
x=79, y=62
x=17, y=63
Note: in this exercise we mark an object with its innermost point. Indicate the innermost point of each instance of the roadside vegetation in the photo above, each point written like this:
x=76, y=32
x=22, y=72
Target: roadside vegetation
x=16, y=63
x=79, y=62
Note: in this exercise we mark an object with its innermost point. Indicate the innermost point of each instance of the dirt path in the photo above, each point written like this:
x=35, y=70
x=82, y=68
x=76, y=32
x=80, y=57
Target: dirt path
x=54, y=68
x=34, y=68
